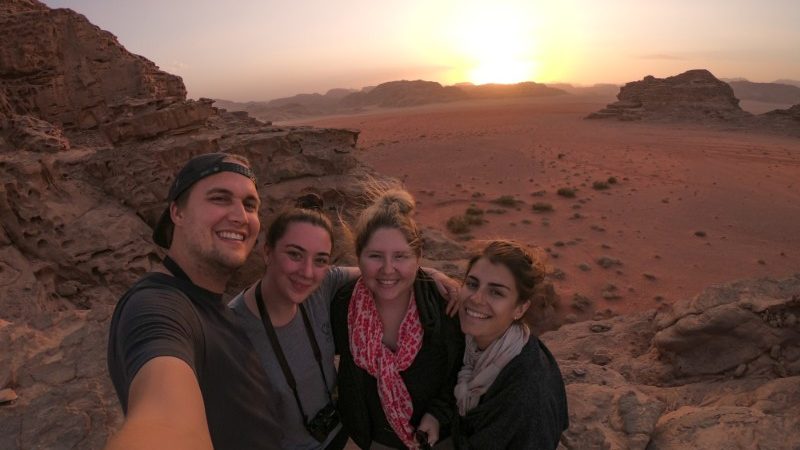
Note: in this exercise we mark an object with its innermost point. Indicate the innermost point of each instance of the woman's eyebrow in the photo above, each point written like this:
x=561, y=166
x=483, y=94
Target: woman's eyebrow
x=499, y=285
x=296, y=247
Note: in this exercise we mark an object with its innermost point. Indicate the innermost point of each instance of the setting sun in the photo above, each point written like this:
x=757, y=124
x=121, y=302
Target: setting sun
x=496, y=42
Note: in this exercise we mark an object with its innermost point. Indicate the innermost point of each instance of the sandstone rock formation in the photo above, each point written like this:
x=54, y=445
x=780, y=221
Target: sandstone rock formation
x=720, y=370
x=695, y=94
x=788, y=118
x=57, y=66
x=699, y=97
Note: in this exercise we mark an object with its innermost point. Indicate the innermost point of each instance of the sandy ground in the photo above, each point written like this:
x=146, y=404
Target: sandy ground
x=693, y=205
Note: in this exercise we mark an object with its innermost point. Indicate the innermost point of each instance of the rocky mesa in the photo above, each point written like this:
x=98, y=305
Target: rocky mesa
x=696, y=96
x=692, y=94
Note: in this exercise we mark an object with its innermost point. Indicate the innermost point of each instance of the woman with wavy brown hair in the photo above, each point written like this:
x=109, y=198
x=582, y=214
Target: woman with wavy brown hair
x=510, y=392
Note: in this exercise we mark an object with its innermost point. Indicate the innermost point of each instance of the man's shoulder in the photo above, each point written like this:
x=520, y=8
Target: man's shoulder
x=155, y=280
x=154, y=293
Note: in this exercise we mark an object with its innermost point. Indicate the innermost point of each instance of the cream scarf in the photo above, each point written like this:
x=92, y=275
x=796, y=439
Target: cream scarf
x=482, y=367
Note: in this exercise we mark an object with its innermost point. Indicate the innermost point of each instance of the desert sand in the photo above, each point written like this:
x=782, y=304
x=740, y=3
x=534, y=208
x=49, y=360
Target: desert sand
x=693, y=205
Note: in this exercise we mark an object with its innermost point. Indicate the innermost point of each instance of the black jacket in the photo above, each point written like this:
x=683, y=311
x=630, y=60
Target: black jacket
x=430, y=379
x=525, y=407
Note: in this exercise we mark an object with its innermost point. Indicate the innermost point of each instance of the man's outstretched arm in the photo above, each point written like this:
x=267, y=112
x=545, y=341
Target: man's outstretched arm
x=165, y=409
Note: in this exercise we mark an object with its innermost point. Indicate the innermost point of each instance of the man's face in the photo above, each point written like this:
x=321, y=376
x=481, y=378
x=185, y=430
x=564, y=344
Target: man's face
x=218, y=224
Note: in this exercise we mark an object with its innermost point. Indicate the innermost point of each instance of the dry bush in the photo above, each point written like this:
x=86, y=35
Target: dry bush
x=566, y=192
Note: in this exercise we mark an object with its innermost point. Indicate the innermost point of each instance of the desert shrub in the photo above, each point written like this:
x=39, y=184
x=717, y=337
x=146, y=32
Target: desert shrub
x=458, y=225
x=461, y=224
x=581, y=302
x=612, y=180
x=542, y=207
x=599, y=185
x=566, y=192
x=473, y=211
x=473, y=216
x=505, y=200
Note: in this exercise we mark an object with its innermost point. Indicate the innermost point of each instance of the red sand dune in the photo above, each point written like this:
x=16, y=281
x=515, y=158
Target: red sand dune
x=739, y=191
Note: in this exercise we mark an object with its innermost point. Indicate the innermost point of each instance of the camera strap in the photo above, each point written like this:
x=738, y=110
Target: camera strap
x=176, y=270
x=276, y=347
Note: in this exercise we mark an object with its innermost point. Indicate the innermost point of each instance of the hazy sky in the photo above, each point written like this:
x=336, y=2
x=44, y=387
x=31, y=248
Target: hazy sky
x=262, y=49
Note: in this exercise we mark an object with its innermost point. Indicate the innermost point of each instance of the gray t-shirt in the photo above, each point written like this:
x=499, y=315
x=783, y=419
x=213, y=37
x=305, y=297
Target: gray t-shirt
x=300, y=356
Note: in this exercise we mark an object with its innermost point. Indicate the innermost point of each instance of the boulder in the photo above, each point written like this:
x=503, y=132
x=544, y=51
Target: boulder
x=668, y=379
x=736, y=324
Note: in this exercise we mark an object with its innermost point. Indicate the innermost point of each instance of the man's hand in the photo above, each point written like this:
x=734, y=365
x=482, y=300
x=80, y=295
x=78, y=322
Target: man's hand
x=165, y=409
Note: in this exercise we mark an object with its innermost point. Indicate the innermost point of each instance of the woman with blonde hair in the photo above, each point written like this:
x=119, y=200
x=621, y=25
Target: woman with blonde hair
x=400, y=352
x=510, y=392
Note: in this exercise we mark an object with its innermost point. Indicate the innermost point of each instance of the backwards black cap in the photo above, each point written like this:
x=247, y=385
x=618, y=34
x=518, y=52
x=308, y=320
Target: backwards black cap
x=195, y=170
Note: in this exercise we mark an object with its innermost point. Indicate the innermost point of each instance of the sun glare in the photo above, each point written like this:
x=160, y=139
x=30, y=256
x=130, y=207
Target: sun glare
x=497, y=43
x=502, y=71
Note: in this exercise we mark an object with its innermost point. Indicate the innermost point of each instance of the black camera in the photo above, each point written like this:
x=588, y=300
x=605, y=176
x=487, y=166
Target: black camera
x=422, y=440
x=323, y=423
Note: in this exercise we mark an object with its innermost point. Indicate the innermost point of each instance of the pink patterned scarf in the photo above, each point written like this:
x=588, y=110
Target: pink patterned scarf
x=365, y=331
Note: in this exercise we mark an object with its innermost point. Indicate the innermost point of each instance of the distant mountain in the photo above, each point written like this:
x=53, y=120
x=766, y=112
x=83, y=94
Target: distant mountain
x=524, y=89
x=323, y=101
x=766, y=92
x=392, y=94
x=600, y=89
x=404, y=93
x=788, y=81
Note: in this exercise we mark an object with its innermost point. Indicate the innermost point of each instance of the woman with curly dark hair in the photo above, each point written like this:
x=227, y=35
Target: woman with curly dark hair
x=510, y=392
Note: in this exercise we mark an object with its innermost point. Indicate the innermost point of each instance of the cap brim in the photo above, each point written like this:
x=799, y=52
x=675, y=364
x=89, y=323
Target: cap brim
x=162, y=233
